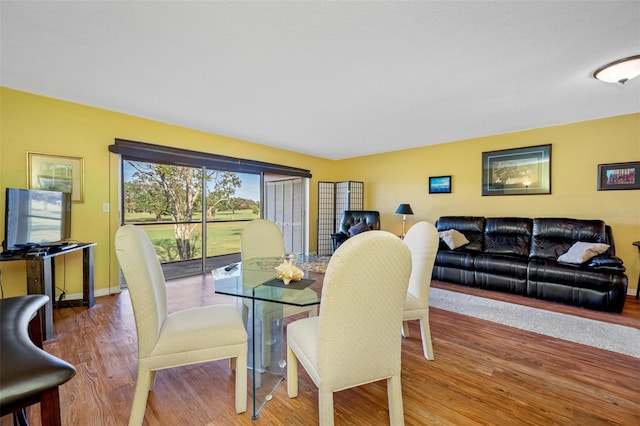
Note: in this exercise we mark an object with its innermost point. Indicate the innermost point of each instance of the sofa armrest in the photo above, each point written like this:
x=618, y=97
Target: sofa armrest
x=604, y=261
x=338, y=238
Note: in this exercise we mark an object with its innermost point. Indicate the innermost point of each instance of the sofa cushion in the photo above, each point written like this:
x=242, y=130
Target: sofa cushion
x=553, y=237
x=576, y=285
x=453, y=238
x=508, y=235
x=471, y=226
x=501, y=272
x=501, y=264
x=580, y=252
x=455, y=259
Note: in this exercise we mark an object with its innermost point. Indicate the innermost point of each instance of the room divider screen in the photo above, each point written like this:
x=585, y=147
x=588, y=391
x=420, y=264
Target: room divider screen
x=333, y=199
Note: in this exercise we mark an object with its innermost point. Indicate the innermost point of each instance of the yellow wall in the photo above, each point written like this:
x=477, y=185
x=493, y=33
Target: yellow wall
x=31, y=123
x=577, y=149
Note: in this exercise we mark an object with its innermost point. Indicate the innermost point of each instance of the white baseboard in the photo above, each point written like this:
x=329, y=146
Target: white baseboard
x=96, y=293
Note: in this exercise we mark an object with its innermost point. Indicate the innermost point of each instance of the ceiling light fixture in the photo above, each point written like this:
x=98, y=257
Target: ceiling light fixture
x=619, y=71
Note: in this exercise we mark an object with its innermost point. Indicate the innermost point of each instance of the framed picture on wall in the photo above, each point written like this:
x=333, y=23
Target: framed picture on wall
x=56, y=173
x=519, y=171
x=619, y=176
x=440, y=185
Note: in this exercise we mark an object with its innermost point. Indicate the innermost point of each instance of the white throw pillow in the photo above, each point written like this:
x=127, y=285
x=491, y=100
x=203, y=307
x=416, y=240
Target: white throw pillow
x=453, y=238
x=580, y=252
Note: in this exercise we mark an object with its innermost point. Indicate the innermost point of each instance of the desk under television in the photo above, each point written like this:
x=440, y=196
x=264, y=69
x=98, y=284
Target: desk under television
x=40, y=269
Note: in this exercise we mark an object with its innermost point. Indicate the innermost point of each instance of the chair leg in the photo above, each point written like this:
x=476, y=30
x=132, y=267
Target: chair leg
x=405, y=328
x=50, y=407
x=140, y=396
x=394, y=395
x=20, y=418
x=152, y=381
x=325, y=407
x=292, y=373
x=241, y=382
x=245, y=315
x=427, y=346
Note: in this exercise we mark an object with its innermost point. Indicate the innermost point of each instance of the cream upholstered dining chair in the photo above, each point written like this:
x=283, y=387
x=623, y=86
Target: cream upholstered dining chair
x=262, y=238
x=355, y=339
x=422, y=240
x=190, y=336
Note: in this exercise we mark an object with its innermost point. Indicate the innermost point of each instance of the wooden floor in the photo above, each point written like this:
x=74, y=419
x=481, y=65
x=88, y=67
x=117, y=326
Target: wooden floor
x=483, y=374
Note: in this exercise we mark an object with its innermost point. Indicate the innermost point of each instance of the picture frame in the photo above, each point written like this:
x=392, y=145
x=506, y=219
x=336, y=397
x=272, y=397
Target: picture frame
x=52, y=172
x=619, y=176
x=518, y=171
x=439, y=184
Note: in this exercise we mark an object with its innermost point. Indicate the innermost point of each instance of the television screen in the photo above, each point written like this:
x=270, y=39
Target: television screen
x=36, y=217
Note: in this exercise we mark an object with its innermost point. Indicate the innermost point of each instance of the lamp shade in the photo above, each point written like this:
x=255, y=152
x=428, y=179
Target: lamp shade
x=404, y=209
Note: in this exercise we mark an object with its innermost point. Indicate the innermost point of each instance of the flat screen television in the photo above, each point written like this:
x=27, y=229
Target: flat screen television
x=35, y=217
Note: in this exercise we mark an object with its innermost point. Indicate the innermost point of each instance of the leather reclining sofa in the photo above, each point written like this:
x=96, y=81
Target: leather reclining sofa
x=520, y=256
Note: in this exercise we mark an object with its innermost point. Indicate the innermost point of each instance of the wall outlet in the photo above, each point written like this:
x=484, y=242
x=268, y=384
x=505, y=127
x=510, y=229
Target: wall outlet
x=105, y=208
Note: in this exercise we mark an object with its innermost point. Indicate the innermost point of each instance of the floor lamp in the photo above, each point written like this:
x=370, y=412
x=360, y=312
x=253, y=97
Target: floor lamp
x=404, y=210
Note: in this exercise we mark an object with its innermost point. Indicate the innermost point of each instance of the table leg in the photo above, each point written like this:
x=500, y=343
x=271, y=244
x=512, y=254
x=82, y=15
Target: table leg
x=87, y=276
x=40, y=281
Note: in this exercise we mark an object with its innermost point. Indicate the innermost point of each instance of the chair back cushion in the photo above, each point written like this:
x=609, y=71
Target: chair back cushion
x=422, y=240
x=261, y=238
x=353, y=217
x=362, y=305
x=145, y=280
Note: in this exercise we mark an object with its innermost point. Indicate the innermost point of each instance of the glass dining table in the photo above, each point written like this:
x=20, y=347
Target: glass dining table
x=265, y=301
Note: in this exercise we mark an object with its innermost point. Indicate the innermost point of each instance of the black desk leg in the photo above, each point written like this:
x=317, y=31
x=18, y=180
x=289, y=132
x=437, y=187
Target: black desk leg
x=39, y=281
x=87, y=283
x=87, y=276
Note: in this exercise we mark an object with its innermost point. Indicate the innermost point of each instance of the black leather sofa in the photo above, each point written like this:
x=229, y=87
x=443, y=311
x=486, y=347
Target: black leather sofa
x=370, y=218
x=519, y=255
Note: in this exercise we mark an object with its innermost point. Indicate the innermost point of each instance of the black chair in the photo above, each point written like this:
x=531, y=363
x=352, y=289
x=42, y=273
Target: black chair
x=28, y=375
x=359, y=220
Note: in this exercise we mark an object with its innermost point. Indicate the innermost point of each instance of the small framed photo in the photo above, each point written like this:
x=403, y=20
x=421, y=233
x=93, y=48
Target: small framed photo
x=619, y=176
x=56, y=173
x=439, y=184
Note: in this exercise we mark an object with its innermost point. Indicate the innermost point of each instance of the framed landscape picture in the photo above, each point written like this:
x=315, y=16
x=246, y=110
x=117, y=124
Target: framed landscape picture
x=619, y=176
x=56, y=173
x=440, y=185
x=519, y=171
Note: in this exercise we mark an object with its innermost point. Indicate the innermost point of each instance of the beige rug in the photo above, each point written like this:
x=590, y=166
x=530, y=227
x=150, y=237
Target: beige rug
x=612, y=337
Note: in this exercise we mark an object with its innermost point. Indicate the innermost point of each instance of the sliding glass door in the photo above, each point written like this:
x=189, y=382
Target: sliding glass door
x=194, y=215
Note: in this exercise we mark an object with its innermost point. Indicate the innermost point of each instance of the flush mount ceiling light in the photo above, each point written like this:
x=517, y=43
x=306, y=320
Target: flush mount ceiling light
x=619, y=71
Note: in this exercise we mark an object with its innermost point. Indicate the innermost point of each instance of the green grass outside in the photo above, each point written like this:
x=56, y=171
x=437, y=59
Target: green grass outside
x=246, y=214
x=223, y=235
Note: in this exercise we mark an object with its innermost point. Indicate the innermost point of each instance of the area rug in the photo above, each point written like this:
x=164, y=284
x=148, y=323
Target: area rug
x=611, y=337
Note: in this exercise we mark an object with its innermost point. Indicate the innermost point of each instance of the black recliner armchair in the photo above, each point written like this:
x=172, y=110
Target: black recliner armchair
x=353, y=222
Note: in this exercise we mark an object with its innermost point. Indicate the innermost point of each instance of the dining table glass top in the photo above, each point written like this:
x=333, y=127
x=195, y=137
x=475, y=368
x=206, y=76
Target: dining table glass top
x=255, y=279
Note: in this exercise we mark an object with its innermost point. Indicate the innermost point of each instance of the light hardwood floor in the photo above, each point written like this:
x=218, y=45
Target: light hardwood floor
x=484, y=373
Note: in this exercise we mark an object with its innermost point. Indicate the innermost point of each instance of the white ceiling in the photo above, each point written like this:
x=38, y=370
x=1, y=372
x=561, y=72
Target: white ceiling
x=332, y=79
